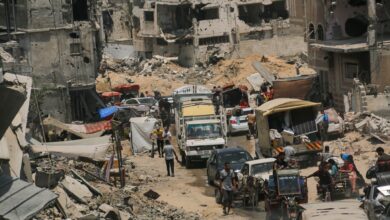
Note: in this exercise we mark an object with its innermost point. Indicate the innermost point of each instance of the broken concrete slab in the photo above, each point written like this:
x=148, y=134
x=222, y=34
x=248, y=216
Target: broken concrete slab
x=362, y=123
x=67, y=204
x=85, y=182
x=76, y=190
x=256, y=80
x=269, y=77
x=110, y=212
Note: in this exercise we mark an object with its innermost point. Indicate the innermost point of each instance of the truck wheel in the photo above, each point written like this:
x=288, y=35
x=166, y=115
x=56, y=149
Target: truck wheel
x=187, y=162
x=209, y=180
x=183, y=158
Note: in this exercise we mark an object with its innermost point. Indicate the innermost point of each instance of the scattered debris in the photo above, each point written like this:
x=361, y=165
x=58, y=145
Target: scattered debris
x=76, y=190
x=151, y=194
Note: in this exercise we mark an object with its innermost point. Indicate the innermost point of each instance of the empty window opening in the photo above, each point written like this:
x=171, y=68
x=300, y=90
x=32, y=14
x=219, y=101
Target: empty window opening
x=207, y=14
x=175, y=18
x=312, y=33
x=80, y=10
x=356, y=26
x=320, y=32
x=107, y=21
x=161, y=42
x=75, y=49
x=351, y=70
x=274, y=11
x=250, y=14
x=357, y=65
x=214, y=40
x=357, y=2
x=187, y=41
x=149, y=15
x=74, y=34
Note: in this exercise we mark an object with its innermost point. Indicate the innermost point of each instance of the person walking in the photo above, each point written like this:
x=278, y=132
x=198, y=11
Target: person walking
x=227, y=184
x=170, y=154
x=251, y=118
x=158, y=135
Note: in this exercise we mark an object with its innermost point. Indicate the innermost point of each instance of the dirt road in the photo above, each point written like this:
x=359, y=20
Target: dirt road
x=189, y=189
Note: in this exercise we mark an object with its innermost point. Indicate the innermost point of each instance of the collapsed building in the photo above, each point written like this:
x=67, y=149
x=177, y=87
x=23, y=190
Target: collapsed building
x=348, y=40
x=59, y=44
x=194, y=31
x=58, y=41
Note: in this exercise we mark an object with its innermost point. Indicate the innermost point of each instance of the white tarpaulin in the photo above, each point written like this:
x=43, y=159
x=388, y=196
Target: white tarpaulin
x=141, y=128
x=93, y=148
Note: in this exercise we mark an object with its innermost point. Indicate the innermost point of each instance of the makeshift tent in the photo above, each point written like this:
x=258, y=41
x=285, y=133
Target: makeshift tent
x=93, y=148
x=140, y=130
x=284, y=104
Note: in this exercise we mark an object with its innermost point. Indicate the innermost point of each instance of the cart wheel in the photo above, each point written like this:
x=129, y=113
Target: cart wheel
x=348, y=193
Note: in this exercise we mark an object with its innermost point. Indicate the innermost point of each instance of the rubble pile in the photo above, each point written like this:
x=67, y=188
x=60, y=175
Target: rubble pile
x=369, y=123
x=162, y=72
x=84, y=193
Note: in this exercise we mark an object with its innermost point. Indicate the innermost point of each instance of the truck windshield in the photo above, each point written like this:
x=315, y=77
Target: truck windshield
x=201, y=131
x=261, y=168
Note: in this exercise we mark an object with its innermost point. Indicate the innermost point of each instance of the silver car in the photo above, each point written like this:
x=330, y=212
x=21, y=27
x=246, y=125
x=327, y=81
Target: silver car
x=238, y=124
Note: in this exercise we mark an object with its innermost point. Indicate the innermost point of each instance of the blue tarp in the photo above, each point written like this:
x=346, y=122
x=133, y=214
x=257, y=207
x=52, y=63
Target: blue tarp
x=108, y=111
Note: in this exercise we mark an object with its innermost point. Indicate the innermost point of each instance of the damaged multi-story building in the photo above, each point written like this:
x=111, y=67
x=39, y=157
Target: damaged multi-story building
x=349, y=40
x=59, y=44
x=194, y=31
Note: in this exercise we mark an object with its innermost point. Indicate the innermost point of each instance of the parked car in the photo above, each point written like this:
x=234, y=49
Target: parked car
x=235, y=156
x=238, y=124
x=260, y=168
x=385, y=214
x=148, y=101
x=371, y=205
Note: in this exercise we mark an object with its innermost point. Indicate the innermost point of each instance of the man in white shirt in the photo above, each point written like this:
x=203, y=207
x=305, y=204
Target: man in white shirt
x=169, y=156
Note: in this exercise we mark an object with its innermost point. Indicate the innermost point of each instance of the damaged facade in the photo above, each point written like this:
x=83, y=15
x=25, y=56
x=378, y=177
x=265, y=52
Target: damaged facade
x=59, y=44
x=348, y=40
x=194, y=31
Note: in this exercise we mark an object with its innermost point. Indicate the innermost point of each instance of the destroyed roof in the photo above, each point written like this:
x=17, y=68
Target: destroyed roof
x=284, y=104
x=22, y=200
x=343, y=46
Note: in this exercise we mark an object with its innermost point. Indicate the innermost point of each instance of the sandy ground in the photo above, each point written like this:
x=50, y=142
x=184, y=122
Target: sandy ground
x=189, y=189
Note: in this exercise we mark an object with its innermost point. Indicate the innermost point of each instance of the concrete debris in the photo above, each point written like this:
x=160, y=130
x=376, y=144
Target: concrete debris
x=76, y=190
x=168, y=75
x=85, y=182
x=48, y=178
x=377, y=127
x=151, y=194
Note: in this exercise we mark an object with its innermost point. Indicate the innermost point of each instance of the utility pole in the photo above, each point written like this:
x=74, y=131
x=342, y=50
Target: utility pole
x=372, y=42
x=8, y=18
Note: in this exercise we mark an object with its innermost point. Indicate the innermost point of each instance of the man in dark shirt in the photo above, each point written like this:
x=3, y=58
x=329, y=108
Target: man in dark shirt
x=383, y=162
x=280, y=163
x=326, y=180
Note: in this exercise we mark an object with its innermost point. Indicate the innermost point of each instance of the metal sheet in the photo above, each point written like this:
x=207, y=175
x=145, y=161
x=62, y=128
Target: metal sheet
x=22, y=200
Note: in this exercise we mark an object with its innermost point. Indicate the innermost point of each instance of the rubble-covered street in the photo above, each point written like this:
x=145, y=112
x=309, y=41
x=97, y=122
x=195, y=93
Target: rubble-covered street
x=196, y=109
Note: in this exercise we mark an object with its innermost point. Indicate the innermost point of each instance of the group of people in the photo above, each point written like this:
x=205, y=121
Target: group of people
x=162, y=137
x=328, y=170
x=266, y=94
